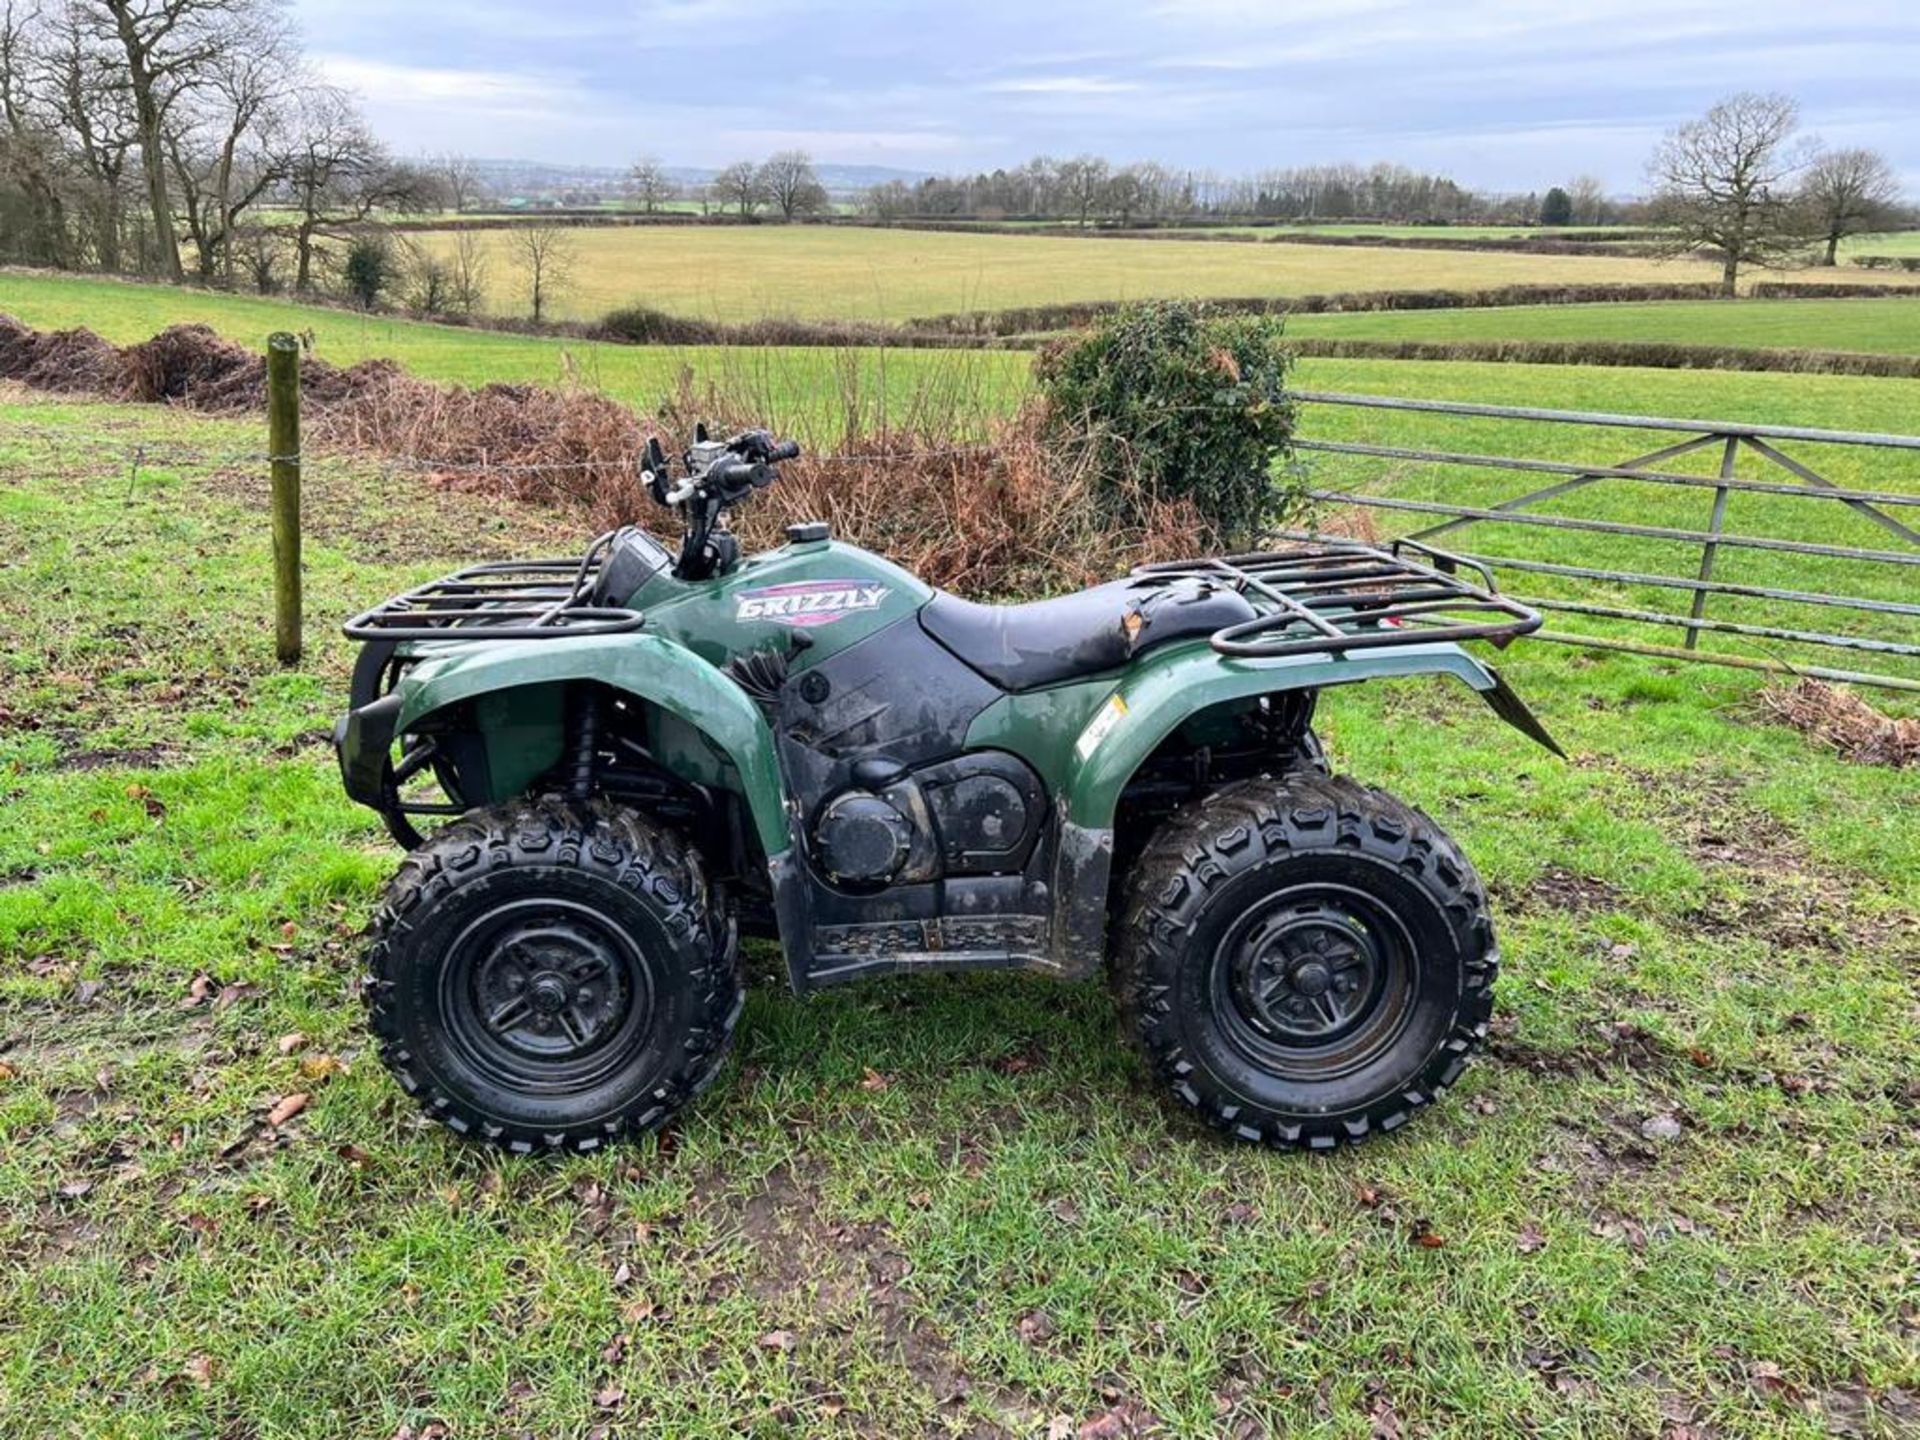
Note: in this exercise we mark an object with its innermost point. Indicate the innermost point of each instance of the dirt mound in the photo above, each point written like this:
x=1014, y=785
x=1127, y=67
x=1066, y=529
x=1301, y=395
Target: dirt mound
x=71, y=362
x=192, y=365
x=1843, y=720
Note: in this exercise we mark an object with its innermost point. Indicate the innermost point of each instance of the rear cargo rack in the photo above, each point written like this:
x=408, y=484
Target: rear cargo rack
x=503, y=600
x=1320, y=596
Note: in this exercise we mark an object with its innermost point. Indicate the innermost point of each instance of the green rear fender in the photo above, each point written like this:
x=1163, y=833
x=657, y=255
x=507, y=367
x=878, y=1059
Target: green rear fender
x=1178, y=683
x=711, y=731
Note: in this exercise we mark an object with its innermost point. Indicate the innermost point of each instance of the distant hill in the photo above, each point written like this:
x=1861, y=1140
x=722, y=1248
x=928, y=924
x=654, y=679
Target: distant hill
x=536, y=178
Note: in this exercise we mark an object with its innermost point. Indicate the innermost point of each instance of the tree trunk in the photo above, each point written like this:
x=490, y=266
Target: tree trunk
x=153, y=158
x=303, y=252
x=1833, y=249
x=1730, y=276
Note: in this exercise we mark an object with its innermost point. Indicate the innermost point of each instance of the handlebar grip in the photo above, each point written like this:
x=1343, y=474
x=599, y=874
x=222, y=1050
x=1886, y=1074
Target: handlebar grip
x=785, y=450
x=725, y=475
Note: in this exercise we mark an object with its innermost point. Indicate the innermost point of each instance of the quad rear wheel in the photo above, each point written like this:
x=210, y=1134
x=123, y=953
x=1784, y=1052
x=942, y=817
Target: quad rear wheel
x=1305, y=961
x=553, y=974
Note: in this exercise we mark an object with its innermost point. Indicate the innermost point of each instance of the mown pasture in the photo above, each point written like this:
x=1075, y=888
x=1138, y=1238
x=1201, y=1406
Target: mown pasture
x=737, y=273
x=1884, y=326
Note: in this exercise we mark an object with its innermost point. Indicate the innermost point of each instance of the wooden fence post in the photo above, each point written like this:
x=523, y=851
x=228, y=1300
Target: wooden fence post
x=283, y=455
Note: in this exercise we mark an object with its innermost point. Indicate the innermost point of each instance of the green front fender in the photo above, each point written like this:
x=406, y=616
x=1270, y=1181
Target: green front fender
x=652, y=668
x=1174, y=684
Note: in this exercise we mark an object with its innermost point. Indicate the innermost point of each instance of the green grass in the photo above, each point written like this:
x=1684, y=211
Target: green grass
x=796, y=382
x=804, y=391
x=1890, y=242
x=1890, y=327
x=1702, y=917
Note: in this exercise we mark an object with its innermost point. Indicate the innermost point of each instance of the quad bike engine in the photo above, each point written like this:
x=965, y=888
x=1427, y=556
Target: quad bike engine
x=978, y=815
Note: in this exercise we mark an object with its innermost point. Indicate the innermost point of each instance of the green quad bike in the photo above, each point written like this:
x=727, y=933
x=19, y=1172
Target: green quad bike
x=642, y=755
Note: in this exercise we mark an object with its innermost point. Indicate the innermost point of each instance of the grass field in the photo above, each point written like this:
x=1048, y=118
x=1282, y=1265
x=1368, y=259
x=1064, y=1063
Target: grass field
x=1677, y=1193
x=1889, y=327
x=805, y=392
x=888, y=275
x=797, y=382
x=1893, y=242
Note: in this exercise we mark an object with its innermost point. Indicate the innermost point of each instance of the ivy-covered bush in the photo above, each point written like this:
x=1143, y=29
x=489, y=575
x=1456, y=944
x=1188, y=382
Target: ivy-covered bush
x=1165, y=401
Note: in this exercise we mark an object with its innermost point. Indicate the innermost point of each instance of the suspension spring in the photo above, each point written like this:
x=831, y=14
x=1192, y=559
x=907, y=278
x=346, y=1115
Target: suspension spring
x=583, y=740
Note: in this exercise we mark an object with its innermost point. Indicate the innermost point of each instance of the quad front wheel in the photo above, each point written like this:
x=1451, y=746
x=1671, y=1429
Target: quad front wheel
x=1305, y=961
x=553, y=974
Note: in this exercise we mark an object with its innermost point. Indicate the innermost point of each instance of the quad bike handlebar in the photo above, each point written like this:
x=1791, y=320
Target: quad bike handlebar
x=718, y=475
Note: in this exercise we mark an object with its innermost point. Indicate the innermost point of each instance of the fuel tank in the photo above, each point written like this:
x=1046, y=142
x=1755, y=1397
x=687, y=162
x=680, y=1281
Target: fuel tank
x=808, y=599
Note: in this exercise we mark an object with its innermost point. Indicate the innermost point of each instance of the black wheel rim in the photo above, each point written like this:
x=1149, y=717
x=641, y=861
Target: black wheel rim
x=546, y=996
x=1315, y=980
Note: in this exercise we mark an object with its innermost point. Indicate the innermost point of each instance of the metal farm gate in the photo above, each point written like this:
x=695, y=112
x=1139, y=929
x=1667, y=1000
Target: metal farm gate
x=1861, y=601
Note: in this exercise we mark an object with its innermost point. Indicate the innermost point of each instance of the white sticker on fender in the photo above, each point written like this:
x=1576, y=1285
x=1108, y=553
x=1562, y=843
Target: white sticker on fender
x=1111, y=714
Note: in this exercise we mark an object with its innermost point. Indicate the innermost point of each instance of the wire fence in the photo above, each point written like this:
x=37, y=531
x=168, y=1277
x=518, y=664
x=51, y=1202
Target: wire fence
x=1601, y=541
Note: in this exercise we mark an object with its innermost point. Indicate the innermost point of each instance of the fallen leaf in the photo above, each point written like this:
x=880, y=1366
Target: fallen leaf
x=353, y=1155
x=1661, y=1127
x=1424, y=1236
x=7, y=1072
x=200, y=1370
x=1035, y=1326
x=75, y=1189
x=199, y=991
x=1531, y=1239
x=622, y=1275
x=634, y=1311
x=616, y=1349
x=288, y=1107
x=319, y=1066
x=233, y=994
x=781, y=1340
x=610, y=1397
x=873, y=1080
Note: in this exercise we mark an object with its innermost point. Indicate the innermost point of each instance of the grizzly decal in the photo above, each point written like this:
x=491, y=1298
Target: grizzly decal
x=810, y=602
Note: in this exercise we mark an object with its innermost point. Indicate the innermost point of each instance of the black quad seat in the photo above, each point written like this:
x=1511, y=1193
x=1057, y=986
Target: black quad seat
x=1023, y=647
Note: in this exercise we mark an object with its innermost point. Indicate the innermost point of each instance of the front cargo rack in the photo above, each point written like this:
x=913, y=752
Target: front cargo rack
x=503, y=600
x=1320, y=596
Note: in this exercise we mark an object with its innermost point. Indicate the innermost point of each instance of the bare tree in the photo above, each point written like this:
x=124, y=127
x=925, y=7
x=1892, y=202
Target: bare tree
x=1723, y=181
x=29, y=152
x=86, y=98
x=1083, y=185
x=166, y=46
x=221, y=137
x=790, y=186
x=460, y=178
x=1589, y=197
x=546, y=255
x=1849, y=192
x=649, y=183
x=739, y=186
x=466, y=274
x=337, y=175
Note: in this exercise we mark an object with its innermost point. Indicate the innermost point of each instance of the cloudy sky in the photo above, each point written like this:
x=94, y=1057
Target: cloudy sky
x=1499, y=93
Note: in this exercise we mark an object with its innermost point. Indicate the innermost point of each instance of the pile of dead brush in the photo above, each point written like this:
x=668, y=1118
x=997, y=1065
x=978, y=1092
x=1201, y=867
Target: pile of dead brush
x=565, y=446
x=991, y=514
x=979, y=506
x=1843, y=720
